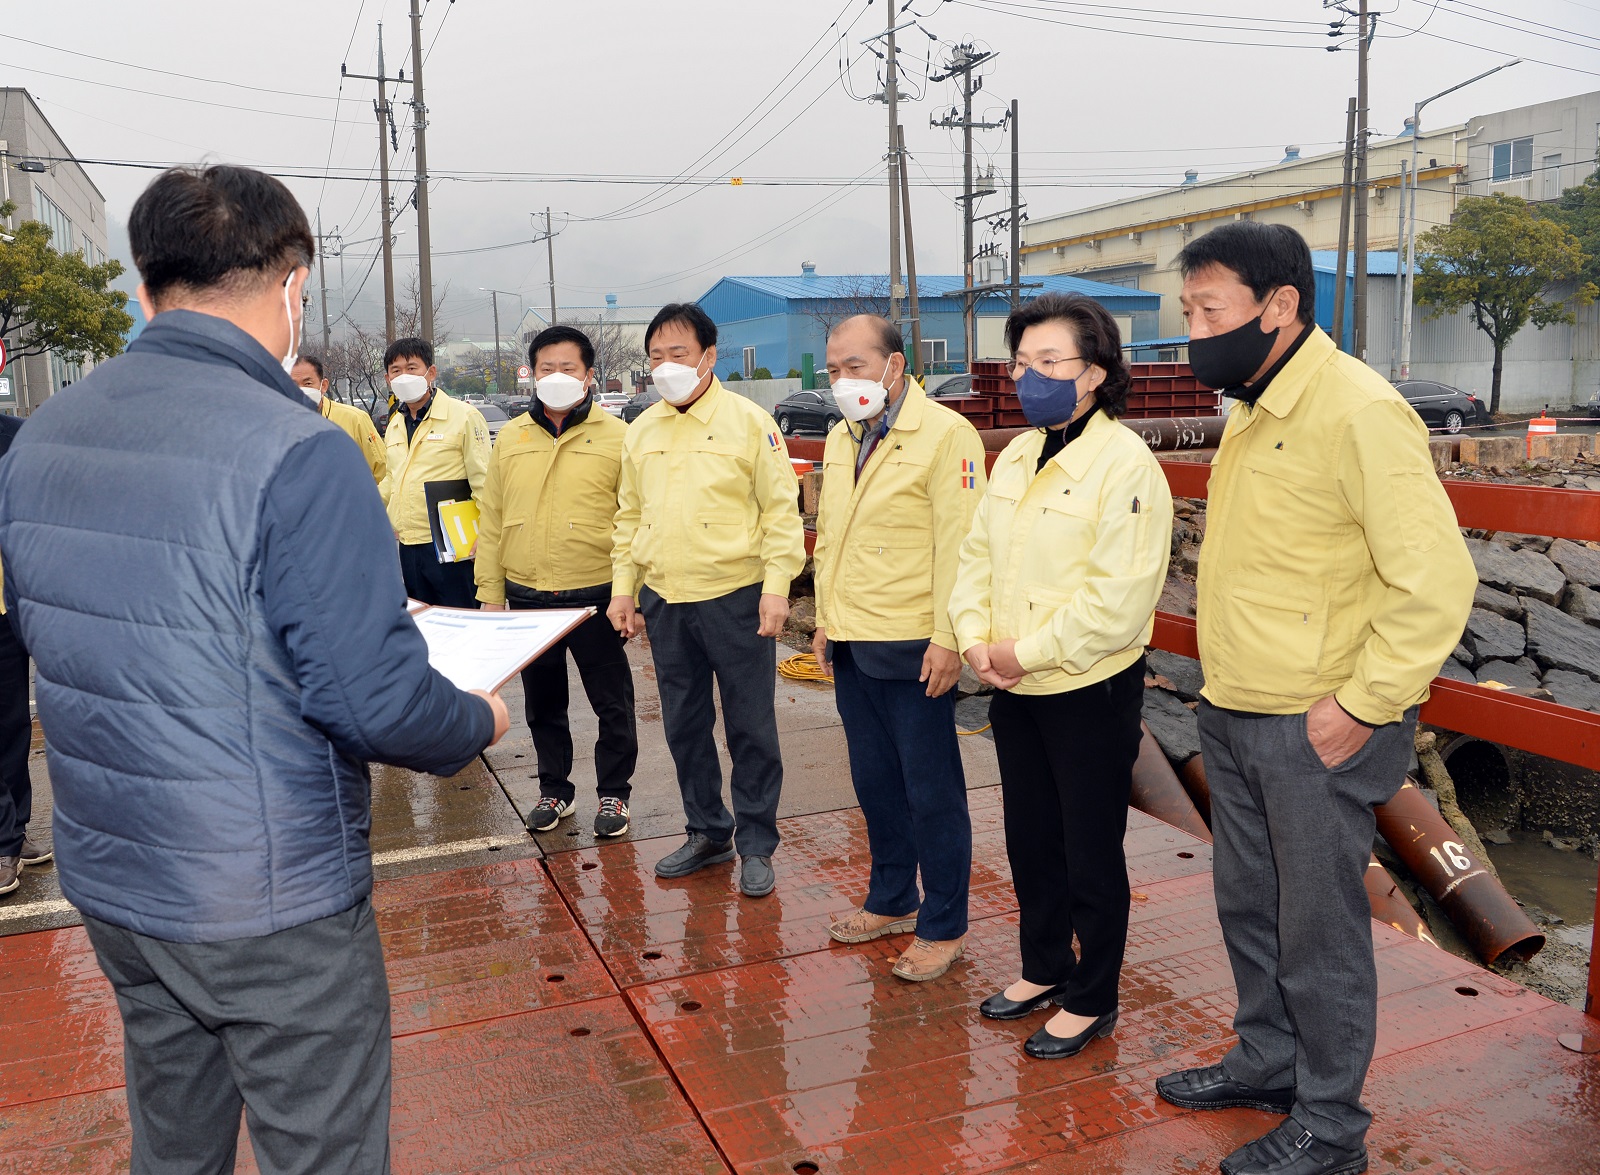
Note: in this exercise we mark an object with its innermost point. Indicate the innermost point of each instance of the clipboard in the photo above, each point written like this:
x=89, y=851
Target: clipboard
x=474, y=649
x=452, y=519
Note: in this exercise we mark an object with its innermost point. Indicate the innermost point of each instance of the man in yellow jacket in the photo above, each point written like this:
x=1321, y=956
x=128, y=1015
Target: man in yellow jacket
x=708, y=536
x=431, y=438
x=1333, y=583
x=901, y=478
x=544, y=541
x=357, y=424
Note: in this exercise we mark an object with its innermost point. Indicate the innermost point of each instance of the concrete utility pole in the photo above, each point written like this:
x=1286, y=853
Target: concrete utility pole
x=385, y=205
x=550, y=258
x=419, y=124
x=1344, y=225
x=963, y=61
x=1358, y=306
x=911, y=255
x=322, y=277
x=891, y=97
x=1400, y=240
x=499, y=365
x=1016, y=213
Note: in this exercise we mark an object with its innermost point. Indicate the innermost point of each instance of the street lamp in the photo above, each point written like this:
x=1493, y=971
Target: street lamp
x=1411, y=213
x=499, y=368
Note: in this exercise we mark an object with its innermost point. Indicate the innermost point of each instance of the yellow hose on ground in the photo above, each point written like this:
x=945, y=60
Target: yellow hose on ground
x=804, y=667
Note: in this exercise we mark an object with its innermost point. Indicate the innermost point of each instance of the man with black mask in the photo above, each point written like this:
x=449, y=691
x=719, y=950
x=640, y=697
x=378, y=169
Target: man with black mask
x=1333, y=584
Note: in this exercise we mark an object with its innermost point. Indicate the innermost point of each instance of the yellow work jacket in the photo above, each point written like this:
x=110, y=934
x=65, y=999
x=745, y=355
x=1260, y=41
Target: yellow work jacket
x=1070, y=561
x=708, y=502
x=888, y=542
x=548, y=505
x=451, y=442
x=359, y=427
x=1332, y=563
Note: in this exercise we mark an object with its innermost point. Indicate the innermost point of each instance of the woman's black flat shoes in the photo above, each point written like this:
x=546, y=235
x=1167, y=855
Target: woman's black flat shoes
x=997, y=1007
x=1041, y=1044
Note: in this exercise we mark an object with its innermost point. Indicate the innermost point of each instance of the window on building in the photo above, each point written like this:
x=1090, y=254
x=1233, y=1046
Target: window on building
x=63, y=373
x=749, y=362
x=1512, y=160
x=48, y=213
x=1551, y=169
x=934, y=351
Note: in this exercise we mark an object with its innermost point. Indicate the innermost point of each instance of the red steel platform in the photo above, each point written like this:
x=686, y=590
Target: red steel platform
x=574, y=1013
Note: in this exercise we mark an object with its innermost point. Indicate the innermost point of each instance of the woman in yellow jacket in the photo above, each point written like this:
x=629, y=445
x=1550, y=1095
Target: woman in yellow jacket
x=1054, y=602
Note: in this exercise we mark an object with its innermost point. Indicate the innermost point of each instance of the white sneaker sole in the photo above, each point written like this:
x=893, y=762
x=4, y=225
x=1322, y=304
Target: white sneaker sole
x=561, y=814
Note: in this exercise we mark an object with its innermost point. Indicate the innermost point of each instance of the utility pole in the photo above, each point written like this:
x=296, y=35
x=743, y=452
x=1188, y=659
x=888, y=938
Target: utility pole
x=386, y=206
x=911, y=255
x=550, y=258
x=1400, y=241
x=499, y=364
x=963, y=61
x=1344, y=224
x=1016, y=214
x=1358, y=307
x=419, y=124
x=891, y=97
x=322, y=277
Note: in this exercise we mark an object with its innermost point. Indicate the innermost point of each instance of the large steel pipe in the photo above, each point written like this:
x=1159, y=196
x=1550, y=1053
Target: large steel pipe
x=1389, y=905
x=1157, y=792
x=1163, y=436
x=1470, y=895
x=1193, y=777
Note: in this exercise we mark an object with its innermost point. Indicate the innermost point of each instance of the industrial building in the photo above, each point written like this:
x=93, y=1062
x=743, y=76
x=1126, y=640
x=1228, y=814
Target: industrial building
x=36, y=174
x=777, y=322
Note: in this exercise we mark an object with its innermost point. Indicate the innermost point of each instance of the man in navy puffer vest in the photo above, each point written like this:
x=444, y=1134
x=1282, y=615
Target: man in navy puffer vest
x=207, y=581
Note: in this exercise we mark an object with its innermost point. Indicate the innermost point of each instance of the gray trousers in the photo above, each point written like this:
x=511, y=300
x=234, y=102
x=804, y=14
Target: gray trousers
x=1292, y=843
x=691, y=643
x=292, y=1026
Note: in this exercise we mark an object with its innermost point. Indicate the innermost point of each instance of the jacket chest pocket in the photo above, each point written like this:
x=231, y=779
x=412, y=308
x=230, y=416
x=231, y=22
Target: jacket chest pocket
x=1288, y=519
x=1065, y=521
x=903, y=484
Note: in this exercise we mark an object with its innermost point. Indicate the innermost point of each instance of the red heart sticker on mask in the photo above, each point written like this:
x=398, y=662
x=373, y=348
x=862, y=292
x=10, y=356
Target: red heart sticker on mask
x=864, y=401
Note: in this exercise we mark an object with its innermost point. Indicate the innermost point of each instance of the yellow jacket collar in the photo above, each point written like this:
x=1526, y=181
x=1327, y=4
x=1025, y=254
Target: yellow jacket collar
x=910, y=417
x=1077, y=457
x=702, y=408
x=1290, y=384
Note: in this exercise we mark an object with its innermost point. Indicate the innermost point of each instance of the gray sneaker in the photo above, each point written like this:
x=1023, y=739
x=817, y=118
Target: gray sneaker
x=33, y=854
x=612, y=818
x=10, y=873
x=697, y=852
x=548, y=813
x=756, y=878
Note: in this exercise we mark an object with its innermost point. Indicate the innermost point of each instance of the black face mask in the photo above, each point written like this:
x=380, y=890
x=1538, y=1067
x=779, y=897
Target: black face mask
x=1227, y=360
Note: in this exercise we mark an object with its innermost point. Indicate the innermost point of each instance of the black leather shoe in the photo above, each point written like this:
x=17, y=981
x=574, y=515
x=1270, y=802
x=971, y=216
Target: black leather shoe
x=1047, y=1047
x=1211, y=1088
x=756, y=878
x=997, y=1007
x=696, y=853
x=1291, y=1149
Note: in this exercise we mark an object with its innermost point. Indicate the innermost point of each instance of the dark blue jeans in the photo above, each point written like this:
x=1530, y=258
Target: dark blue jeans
x=906, y=766
x=16, y=731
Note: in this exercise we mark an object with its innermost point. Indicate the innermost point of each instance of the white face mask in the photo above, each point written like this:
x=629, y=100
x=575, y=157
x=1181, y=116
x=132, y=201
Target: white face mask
x=676, y=382
x=408, y=389
x=293, y=356
x=861, y=399
x=313, y=394
x=559, y=391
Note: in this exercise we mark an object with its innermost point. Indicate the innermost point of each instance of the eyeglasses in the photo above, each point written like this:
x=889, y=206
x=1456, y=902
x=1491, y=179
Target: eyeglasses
x=1045, y=367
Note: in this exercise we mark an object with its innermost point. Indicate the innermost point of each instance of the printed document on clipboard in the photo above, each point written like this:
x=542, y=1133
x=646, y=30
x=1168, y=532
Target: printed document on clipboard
x=484, y=650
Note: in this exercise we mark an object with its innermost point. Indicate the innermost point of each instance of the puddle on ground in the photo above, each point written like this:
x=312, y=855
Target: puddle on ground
x=1560, y=884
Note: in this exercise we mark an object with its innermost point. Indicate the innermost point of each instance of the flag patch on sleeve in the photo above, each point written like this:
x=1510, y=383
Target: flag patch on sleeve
x=772, y=439
x=969, y=475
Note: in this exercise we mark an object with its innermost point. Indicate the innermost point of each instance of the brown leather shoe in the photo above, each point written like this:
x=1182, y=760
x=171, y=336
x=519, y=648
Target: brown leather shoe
x=10, y=874
x=926, y=960
x=860, y=926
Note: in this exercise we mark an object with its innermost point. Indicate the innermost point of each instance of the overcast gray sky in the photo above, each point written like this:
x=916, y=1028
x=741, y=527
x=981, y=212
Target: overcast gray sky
x=524, y=95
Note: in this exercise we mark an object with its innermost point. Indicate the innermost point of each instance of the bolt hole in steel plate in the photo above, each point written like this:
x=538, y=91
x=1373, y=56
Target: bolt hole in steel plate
x=587, y=865
x=651, y=955
x=1187, y=856
x=554, y=978
x=574, y=832
x=579, y=1032
x=466, y=787
x=690, y=1005
x=807, y=1167
x=1467, y=991
x=494, y=848
x=1579, y=1042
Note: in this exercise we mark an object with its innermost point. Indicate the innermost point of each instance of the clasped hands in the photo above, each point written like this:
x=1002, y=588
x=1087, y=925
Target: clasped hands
x=997, y=664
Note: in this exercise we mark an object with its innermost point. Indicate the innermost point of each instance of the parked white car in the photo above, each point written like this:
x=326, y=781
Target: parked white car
x=612, y=402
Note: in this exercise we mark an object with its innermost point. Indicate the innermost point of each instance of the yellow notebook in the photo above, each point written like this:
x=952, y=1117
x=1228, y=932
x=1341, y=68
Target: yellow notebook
x=459, y=522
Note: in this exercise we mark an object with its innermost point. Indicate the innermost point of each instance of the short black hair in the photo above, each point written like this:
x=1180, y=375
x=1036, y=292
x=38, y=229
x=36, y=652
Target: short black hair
x=216, y=230
x=314, y=360
x=1265, y=257
x=890, y=338
x=551, y=335
x=409, y=349
x=1099, y=341
x=705, y=331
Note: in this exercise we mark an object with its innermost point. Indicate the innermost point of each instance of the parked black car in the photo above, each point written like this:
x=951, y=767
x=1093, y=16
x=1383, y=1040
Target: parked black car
x=811, y=411
x=959, y=384
x=638, y=403
x=1442, y=406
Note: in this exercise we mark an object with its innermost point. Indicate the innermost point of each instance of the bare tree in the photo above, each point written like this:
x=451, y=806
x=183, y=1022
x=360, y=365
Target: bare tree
x=356, y=358
x=858, y=294
x=618, y=353
x=408, y=311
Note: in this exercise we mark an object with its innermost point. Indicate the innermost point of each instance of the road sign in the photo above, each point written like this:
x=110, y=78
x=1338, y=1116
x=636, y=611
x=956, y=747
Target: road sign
x=5, y=390
x=4, y=355
x=524, y=375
